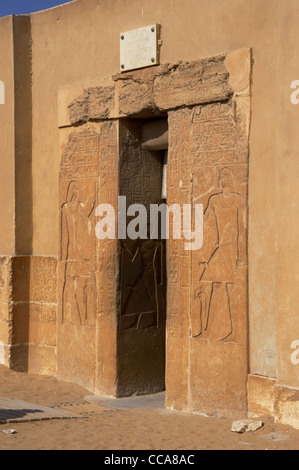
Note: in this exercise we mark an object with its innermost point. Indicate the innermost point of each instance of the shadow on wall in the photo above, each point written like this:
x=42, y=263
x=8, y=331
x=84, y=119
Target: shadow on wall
x=2, y=93
x=23, y=192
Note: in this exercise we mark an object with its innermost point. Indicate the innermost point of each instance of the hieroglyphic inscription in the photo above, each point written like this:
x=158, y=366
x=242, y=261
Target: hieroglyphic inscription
x=43, y=289
x=78, y=193
x=80, y=157
x=140, y=179
x=207, y=165
x=87, y=266
x=178, y=192
x=42, y=313
x=107, y=249
x=43, y=279
x=216, y=139
x=218, y=310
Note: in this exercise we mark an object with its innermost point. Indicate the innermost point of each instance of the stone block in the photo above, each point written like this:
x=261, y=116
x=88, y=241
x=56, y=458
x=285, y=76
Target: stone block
x=238, y=65
x=19, y=357
x=218, y=378
x=21, y=278
x=177, y=359
x=5, y=332
x=287, y=406
x=5, y=279
x=207, y=81
x=135, y=92
x=106, y=371
x=5, y=312
x=42, y=360
x=43, y=313
x=42, y=334
x=81, y=103
x=261, y=396
x=43, y=279
x=20, y=323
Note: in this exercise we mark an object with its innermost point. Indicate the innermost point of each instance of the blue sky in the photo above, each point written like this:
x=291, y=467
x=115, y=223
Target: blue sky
x=21, y=7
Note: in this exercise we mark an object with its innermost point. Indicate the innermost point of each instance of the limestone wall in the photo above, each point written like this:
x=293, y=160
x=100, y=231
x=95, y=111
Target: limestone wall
x=64, y=54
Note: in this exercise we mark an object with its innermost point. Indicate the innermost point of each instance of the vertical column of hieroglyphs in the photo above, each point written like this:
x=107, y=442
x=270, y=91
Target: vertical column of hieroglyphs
x=43, y=315
x=108, y=264
x=179, y=261
x=218, y=356
x=5, y=310
x=77, y=299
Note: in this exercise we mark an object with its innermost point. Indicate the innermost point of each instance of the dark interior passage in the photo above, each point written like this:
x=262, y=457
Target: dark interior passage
x=142, y=284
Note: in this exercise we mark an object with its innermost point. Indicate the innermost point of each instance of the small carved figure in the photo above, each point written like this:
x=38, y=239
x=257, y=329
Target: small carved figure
x=142, y=273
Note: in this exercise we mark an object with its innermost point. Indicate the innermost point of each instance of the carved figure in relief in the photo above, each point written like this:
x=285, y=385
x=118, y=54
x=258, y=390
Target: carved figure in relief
x=76, y=251
x=142, y=273
x=223, y=254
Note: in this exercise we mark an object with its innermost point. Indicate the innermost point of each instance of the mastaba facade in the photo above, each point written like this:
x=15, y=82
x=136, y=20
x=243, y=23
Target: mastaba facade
x=212, y=123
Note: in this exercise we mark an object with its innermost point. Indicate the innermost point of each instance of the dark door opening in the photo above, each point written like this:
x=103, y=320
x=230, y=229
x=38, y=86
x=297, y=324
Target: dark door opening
x=142, y=276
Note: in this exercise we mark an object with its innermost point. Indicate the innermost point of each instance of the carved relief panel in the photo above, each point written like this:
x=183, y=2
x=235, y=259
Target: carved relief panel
x=86, y=266
x=78, y=192
x=218, y=306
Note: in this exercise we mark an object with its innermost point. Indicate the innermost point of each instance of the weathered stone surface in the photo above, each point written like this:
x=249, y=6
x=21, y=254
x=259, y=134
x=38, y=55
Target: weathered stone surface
x=135, y=93
x=5, y=279
x=88, y=158
x=261, y=396
x=287, y=406
x=93, y=103
x=150, y=91
x=42, y=360
x=207, y=288
x=42, y=334
x=246, y=425
x=43, y=280
x=77, y=261
x=42, y=329
x=5, y=311
x=43, y=313
x=238, y=64
x=108, y=271
x=207, y=82
x=146, y=92
x=177, y=377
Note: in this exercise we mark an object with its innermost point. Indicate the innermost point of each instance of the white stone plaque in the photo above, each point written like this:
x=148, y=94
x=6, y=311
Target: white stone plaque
x=139, y=48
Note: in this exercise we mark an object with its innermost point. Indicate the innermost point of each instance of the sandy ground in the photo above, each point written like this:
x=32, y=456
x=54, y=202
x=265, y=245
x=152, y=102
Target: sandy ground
x=106, y=428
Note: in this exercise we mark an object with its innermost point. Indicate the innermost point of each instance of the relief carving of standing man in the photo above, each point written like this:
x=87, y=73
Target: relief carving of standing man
x=222, y=256
x=76, y=252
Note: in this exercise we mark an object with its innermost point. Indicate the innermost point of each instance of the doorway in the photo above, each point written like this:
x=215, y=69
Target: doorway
x=142, y=275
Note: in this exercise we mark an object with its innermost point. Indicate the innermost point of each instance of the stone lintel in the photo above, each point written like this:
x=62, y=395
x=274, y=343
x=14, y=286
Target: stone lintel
x=153, y=91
